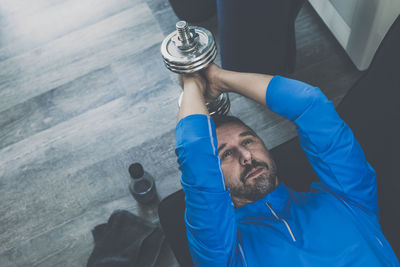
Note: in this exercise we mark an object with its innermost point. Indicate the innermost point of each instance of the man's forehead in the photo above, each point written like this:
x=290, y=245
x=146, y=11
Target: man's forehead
x=232, y=130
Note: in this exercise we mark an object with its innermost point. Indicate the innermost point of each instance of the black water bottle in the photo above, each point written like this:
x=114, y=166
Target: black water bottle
x=142, y=186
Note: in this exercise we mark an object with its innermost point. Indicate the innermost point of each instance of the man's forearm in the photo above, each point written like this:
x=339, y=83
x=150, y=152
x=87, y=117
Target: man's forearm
x=250, y=85
x=192, y=101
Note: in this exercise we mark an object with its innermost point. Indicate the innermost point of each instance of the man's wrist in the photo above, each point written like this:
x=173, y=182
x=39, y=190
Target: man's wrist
x=192, y=84
x=222, y=78
x=192, y=102
x=193, y=87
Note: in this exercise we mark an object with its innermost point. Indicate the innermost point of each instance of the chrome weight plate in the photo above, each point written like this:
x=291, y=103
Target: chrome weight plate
x=188, y=49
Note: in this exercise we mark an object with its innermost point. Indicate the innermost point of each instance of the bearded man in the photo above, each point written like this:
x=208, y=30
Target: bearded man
x=240, y=213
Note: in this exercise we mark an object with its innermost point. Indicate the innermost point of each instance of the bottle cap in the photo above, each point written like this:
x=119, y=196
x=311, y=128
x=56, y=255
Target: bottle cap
x=136, y=170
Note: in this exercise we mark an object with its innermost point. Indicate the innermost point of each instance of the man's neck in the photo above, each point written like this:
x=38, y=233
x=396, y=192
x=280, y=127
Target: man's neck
x=240, y=202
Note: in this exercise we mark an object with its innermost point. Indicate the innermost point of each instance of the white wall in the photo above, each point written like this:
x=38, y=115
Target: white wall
x=358, y=25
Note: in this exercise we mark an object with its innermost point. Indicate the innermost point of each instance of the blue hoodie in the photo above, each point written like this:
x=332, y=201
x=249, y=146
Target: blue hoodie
x=334, y=224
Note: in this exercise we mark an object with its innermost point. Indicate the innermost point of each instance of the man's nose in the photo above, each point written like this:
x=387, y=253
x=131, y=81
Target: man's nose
x=245, y=156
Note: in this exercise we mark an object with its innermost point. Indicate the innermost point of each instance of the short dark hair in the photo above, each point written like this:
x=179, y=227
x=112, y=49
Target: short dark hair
x=220, y=120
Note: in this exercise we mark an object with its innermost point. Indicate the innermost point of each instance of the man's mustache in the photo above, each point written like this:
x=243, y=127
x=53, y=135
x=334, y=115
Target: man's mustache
x=249, y=167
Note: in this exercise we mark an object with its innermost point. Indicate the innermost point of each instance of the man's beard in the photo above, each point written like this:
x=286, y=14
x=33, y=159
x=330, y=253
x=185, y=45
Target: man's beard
x=259, y=187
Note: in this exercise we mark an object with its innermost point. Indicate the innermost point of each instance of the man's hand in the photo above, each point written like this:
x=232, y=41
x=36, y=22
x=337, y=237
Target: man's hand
x=214, y=87
x=192, y=81
x=207, y=81
x=211, y=82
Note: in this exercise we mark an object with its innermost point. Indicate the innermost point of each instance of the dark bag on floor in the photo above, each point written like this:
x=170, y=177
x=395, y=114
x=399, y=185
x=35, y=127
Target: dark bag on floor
x=125, y=240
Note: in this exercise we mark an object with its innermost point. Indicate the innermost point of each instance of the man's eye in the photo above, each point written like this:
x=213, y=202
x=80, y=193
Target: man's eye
x=226, y=154
x=246, y=142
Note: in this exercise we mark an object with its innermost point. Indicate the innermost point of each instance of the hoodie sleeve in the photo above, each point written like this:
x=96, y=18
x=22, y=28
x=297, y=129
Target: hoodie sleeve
x=329, y=143
x=209, y=215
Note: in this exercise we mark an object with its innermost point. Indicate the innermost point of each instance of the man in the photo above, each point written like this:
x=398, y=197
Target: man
x=239, y=213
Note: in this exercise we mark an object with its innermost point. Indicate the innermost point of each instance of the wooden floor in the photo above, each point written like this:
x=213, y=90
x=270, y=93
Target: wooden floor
x=83, y=94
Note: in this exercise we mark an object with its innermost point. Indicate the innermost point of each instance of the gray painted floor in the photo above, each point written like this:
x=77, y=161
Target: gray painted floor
x=83, y=94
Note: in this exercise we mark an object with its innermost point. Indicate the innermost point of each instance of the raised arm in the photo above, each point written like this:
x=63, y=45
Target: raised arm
x=328, y=142
x=209, y=216
x=193, y=96
x=250, y=85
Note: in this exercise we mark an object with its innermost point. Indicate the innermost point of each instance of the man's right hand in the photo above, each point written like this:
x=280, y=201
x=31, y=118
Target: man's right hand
x=214, y=87
x=192, y=81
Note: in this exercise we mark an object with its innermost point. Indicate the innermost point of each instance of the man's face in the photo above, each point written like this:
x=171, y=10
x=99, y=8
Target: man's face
x=249, y=170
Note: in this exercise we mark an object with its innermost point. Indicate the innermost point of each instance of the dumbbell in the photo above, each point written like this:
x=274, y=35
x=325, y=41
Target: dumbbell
x=190, y=49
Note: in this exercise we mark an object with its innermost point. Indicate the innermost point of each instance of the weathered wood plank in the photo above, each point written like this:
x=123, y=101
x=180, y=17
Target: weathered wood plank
x=164, y=15
x=314, y=42
x=75, y=54
x=57, y=105
x=326, y=73
x=142, y=72
x=29, y=24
